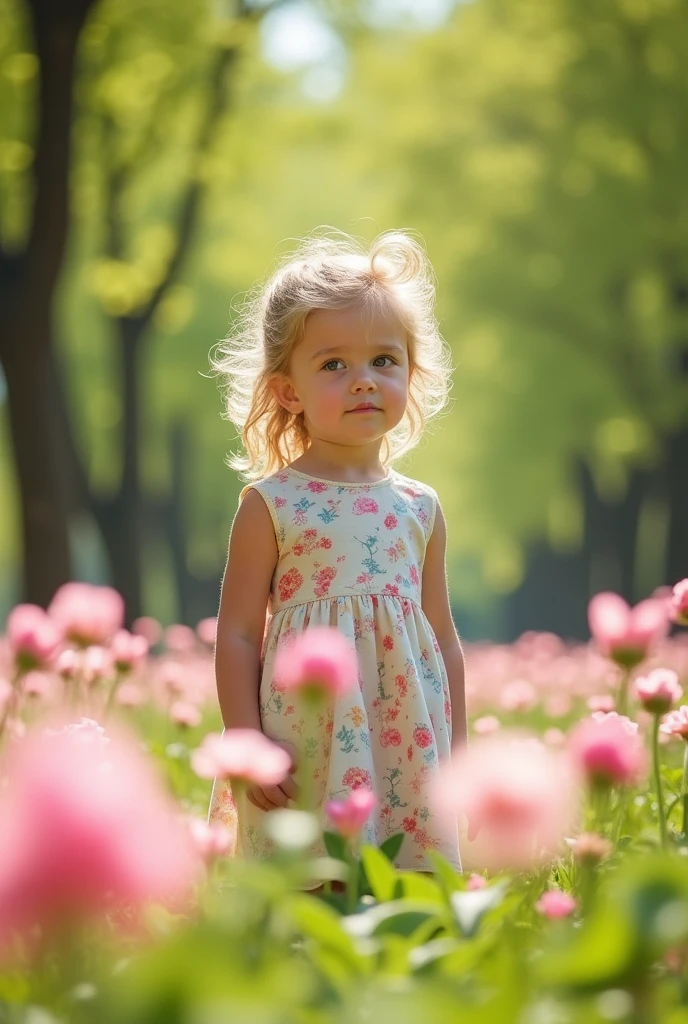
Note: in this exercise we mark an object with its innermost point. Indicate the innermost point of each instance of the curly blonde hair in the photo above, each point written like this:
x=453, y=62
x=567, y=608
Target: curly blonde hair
x=329, y=271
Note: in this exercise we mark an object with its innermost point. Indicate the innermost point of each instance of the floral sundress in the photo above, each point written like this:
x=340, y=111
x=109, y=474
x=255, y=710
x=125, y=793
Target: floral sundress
x=351, y=556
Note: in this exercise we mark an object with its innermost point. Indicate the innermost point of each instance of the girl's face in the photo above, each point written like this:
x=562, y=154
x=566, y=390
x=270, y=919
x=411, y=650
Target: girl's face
x=345, y=360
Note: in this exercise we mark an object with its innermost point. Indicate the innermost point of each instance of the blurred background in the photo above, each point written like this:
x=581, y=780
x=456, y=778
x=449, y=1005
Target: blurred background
x=155, y=158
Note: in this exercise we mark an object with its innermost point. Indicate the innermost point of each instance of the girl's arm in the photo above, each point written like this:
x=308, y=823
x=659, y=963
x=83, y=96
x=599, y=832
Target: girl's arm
x=243, y=610
x=435, y=600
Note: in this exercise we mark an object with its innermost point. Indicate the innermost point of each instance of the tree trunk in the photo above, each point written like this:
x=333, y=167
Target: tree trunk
x=677, y=495
x=39, y=466
x=27, y=284
x=552, y=596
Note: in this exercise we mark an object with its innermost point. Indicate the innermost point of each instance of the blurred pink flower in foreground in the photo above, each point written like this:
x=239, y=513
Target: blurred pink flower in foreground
x=320, y=663
x=658, y=690
x=554, y=903
x=85, y=828
x=476, y=882
x=679, y=603
x=33, y=636
x=607, y=750
x=676, y=723
x=86, y=730
x=89, y=615
x=625, y=634
x=244, y=754
x=350, y=815
x=211, y=840
x=128, y=650
x=520, y=796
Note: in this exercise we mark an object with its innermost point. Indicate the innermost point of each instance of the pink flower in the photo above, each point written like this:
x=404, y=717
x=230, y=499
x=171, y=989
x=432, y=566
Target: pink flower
x=364, y=505
x=210, y=840
x=390, y=738
x=658, y=690
x=554, y=737
x=243, y=754
x=96, y=663
x=86, y=730
x=130, y=695
x=624, y=634
x=601, y=702
x=554, y=903
x=87, y=614
x=518, y=796
x=676, y=723
x=180, y=639
x=185, y=714
x=32, y=635
x=68, y=663
x=289, y=583
x=127, y=650
x=320, y=663
x=476, y=882
x=357, y=777
x=485, y=725
x=679, y=603
x=391, y=521
x=85, y=828
x=149, y=628
x=590, y=848
x=518, y=695
x=206, y=630
x=422, y=736
x=350, y=815
x=607, y=750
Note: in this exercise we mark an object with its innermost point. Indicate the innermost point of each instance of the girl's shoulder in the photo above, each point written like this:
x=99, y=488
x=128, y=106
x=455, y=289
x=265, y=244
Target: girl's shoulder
x=420, y=497
x=413, y=488
x=267, y=485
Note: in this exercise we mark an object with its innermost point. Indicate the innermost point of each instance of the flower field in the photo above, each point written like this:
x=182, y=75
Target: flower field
x=119, y=903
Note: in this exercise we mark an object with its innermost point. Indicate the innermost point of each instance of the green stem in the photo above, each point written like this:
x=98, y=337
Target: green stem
x=111, y=696
x=658, y=783
x=622, y=693
x=352, y=887
x=684, y=789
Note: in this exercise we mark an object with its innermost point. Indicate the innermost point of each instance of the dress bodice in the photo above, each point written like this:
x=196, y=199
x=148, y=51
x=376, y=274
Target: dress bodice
x=343, y=539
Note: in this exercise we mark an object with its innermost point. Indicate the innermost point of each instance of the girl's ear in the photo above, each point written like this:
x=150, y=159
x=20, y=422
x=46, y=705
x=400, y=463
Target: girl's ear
x=283, y=390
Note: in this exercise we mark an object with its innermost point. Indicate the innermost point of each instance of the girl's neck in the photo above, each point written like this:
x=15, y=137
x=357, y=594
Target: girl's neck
x=342, y=462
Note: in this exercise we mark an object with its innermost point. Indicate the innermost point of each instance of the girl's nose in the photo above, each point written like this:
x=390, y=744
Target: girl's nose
x=364, y=382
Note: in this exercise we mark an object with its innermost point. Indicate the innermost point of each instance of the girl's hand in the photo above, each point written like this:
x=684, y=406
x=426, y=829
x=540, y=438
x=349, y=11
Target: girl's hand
x=269, y=798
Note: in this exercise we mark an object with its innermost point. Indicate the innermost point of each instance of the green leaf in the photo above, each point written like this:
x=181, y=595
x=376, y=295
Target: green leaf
x=412, y=885
x=447, y=876
x=469, y=908
x=335, y=845
x=391, y=846
x=380, y=873
x=323, y=925
x=398, y=917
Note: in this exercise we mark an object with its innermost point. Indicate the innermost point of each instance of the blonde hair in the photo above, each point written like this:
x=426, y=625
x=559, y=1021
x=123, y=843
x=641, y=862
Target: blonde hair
x=329, y=272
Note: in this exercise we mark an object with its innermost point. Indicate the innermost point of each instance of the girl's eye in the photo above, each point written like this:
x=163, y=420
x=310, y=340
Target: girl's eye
x=383, y=357
x=331, y=364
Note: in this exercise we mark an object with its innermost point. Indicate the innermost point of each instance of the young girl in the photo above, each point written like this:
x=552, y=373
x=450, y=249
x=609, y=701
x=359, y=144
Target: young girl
x=337, y=369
